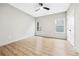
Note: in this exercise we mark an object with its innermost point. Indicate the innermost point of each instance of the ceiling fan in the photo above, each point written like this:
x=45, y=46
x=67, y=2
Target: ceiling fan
x=42, y=7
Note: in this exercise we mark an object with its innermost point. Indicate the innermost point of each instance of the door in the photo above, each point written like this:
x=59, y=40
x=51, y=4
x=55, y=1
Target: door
x=70, y=26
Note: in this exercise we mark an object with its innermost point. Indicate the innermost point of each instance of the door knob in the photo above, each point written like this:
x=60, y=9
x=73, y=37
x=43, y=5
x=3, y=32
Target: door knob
x=70, y=30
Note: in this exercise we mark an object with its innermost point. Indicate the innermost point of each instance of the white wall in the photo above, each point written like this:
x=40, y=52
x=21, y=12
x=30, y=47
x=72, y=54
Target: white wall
x=76, y=7
x=48, y=26
x=14, y=24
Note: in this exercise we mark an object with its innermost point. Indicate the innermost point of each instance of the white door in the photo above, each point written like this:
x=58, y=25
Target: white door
x=70, y=26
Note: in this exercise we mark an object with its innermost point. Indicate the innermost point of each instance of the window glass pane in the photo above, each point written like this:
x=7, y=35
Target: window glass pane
x=59, y=28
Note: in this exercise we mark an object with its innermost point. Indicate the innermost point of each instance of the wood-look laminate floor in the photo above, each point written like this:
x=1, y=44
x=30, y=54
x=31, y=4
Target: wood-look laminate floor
x=38, y=46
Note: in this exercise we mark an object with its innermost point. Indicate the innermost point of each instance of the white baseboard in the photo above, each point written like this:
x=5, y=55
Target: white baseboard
x=13, y=41
x=76, y=49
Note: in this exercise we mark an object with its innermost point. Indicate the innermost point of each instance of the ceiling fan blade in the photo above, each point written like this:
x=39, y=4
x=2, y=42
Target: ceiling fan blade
x=46, y=8
x=37, y=9
x=41, y=4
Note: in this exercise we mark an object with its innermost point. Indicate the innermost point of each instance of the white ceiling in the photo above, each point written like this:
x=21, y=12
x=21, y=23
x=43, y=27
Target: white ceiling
x=31, y=7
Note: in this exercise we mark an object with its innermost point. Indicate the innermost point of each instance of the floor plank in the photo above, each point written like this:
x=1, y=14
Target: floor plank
x=38, y=46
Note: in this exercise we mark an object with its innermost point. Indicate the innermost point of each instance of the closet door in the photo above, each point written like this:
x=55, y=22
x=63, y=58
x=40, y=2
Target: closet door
x=43, y=27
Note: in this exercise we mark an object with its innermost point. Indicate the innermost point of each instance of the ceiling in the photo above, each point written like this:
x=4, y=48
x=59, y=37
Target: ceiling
x=31, y=7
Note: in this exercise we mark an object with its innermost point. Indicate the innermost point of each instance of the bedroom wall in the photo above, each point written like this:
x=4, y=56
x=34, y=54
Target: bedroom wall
x=76, y=7
x=14, y=24
x=48, y=26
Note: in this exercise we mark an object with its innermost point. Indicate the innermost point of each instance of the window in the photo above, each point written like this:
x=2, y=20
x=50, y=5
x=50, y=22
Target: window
x=59, y=25
x=59, y=28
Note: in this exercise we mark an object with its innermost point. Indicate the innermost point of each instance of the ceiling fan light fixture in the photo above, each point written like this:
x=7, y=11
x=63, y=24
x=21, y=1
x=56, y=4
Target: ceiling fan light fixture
x=41, y=7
